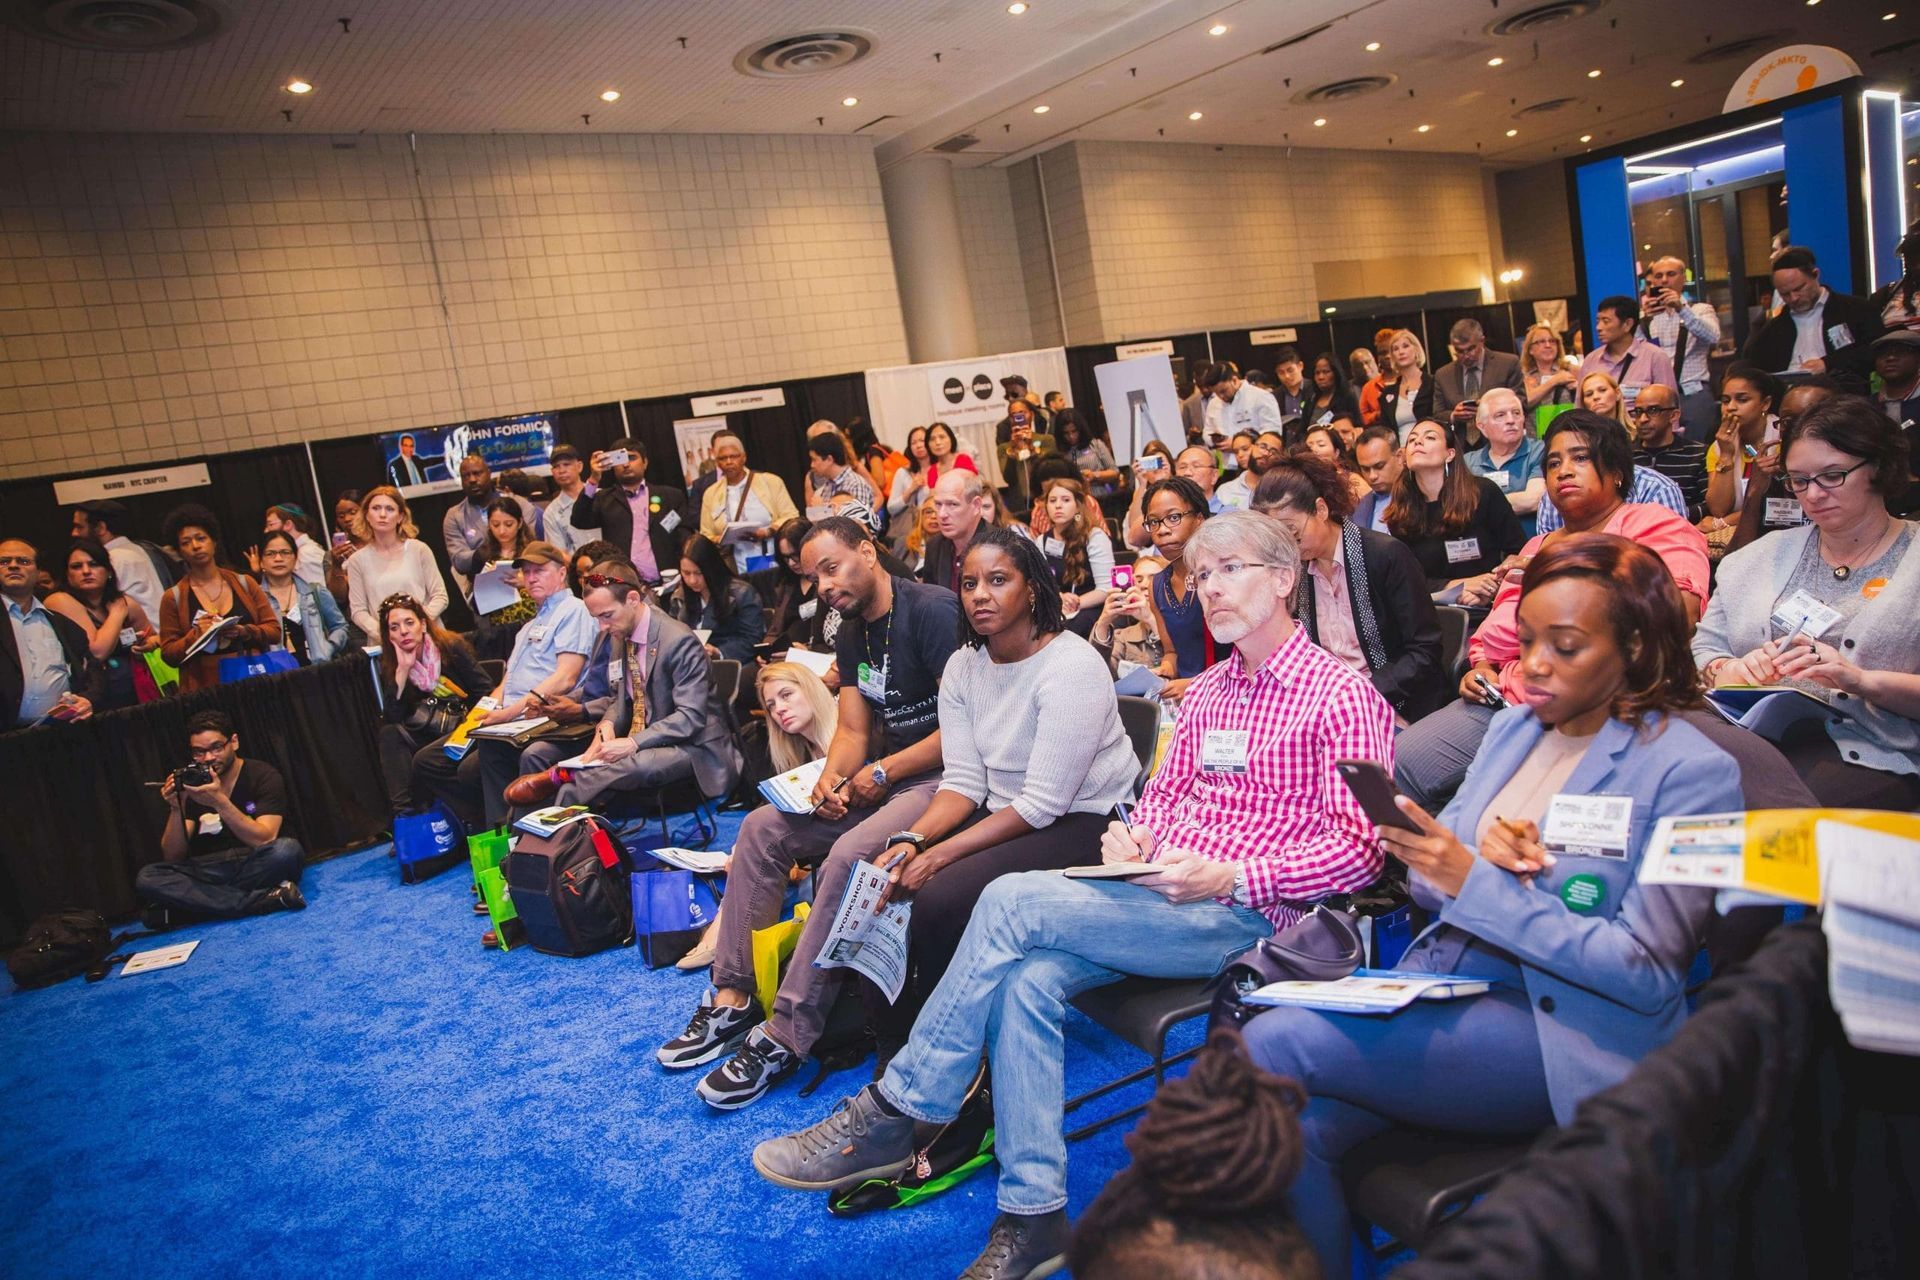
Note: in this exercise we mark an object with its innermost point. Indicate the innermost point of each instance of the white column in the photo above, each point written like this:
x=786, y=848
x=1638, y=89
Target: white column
x=929, y=261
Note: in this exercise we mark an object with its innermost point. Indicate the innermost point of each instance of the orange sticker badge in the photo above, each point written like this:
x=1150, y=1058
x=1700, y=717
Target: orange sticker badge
x=1872, y=588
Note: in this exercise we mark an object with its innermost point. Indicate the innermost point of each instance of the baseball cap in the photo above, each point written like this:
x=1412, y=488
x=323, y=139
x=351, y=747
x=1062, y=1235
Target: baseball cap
x=564, y=453
x=541, y=553
x=1897, y=338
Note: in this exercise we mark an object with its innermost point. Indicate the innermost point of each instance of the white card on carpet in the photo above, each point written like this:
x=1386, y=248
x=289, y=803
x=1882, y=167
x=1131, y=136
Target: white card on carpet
x=158, y=958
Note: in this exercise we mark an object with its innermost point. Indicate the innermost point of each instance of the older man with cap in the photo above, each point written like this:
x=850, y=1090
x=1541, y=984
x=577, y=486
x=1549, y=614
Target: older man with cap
x=742, y=508
x=548, y=660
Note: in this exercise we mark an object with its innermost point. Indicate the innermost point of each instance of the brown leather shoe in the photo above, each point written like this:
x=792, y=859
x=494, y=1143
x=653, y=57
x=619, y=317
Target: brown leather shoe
x=489, y=939
x=530, y=790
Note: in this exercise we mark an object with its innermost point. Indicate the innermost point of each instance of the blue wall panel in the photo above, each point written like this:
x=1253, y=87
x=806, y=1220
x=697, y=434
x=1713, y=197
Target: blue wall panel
x=1606, y=233
x=1817, y=188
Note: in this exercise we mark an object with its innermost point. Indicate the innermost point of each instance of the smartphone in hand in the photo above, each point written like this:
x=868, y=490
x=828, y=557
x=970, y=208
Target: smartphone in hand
x=1373, y=787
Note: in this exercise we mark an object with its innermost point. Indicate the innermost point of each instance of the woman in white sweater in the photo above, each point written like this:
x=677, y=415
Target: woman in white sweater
x=1829, y=606
x=1033, y=753
x=392, y=561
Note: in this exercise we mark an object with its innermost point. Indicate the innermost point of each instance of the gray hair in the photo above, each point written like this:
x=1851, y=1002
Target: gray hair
x=1261, y=539
x=713, y=442
x=1492, y=396
x=1466, y=330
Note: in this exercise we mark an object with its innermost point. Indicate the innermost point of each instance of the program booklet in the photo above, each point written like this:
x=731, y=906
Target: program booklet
x=1769, y=710
x=792, y=792
x=1762, y=855
x=1369, y=991
x=871, y=943
x=544, y=822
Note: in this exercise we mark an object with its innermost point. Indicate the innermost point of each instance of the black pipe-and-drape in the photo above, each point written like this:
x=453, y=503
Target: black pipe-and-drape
x=80, y=821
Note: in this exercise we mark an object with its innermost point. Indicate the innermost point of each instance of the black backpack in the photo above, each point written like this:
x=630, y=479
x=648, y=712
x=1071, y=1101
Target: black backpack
x=58, y=946
x=169, y=571
x=571, y=889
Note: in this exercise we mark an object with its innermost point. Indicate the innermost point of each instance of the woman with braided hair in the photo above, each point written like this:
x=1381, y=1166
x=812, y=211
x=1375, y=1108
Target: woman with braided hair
x=1207, y=1194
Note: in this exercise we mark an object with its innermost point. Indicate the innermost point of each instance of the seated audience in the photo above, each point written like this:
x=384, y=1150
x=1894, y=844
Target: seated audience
x=1207, y=1194
x=1033, y=756
x=1268, y=447
x=1378, y=461
x=548, y=661
x=1816, y=330
x=1772, y=505
x=222, y=851
x=645, y=521
x=1321, y=441
x=1458, y=525
x=1660, y=447
x=140, y=569
x=391, y=561
x=117, y=628
x=1600, y=394
x=430, y=679
x=882, y=769
x=921, y=531
x=1829, y=606
x=1124, y=631
x=1510, y=458
x=675, y=728
x=1364, y=600
x=743, y=507
x=1197, y=463
x=1649, y=487
x=943, y=452
x=1550, y=376
x=908, y=491
x=1077, y=550
x=1406, y=391
x=831, y=476
x=962, y=504
x=1331, y=397
x=1747, y=445
x=312, y=627
x=1164, y=464
x=1589, y=966
x=208, y=596
x=1590, y=473
x=1175, y=511
x=506, y=537
x=710, y=598
x=47, y=670
x=795, y=616
x=1256, y=739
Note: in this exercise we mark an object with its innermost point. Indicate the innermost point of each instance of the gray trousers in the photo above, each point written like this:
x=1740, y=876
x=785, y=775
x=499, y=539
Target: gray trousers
x=771, y=844
x=1430, y=758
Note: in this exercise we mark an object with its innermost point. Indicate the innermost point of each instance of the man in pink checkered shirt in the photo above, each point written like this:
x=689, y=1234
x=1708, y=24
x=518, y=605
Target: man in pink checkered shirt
x=1245, y=818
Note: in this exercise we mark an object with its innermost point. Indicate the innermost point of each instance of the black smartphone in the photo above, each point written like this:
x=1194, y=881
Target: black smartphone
x=1373, y=787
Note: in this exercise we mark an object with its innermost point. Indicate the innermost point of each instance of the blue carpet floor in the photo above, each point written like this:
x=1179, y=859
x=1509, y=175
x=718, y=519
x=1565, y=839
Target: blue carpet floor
x=361, y=1089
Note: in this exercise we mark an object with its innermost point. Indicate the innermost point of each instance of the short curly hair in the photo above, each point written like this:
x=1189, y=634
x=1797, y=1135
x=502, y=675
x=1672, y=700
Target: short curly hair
x=190, y=515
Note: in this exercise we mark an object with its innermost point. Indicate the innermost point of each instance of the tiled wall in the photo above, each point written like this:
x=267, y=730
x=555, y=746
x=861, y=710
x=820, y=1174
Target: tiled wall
x=164, y=295
x=992, y=246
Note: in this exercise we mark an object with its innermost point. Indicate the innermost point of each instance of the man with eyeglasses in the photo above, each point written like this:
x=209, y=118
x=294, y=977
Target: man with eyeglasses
x=46, y=670
x=1243, y=827
x=223, y=854
x=1658, y=445
x=1268, y=448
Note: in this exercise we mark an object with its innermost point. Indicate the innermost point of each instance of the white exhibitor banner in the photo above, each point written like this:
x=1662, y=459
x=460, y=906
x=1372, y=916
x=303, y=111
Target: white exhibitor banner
x=964, y=394
x=192, y=475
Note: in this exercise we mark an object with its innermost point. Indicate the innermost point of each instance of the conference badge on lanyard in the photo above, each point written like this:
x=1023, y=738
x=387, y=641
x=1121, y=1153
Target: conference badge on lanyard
x=873, y=683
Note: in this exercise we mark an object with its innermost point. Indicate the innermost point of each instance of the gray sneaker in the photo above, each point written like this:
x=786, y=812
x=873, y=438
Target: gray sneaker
x=1022, y=1247
x=858, y=1140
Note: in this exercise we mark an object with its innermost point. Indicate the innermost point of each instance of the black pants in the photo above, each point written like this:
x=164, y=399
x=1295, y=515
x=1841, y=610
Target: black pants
x=474, y=786
x=220, y=886
x=944, y=905
x=397, y=747
x=1839, y=785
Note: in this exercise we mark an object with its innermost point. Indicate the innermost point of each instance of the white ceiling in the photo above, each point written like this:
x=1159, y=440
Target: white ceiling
x=1106, y=69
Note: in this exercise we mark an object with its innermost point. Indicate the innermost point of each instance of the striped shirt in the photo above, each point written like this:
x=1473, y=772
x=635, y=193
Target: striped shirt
x=1685, y=463
x=1288, y=819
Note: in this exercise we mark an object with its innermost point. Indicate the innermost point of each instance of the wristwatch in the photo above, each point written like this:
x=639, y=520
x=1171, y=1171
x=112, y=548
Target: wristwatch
x=914, y=838
x=1242, y=895
x=879, y=775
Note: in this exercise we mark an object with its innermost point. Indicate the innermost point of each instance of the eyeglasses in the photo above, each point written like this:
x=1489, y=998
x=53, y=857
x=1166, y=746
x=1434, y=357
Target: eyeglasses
x=1157, y=523
x=1229, y=572
x=208, y=753
x=1647, y=411
x=592, y=580
x=1824, y=479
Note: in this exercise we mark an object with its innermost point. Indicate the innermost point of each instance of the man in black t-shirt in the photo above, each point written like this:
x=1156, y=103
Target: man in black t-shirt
x=882, y=768
x=223, y=852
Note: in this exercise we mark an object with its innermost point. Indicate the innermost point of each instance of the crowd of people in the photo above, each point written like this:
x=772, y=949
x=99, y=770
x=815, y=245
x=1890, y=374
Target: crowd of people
x=1282, y=577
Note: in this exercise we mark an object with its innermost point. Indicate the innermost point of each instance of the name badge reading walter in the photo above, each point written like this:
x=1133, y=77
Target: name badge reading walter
x=1224, y=751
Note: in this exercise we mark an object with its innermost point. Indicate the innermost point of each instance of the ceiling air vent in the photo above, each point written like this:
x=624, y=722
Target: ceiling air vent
x=803, y=55
x=118, y=26
x=1548, y=107
x=1343, y=90
x=1302, y=38
x=1537, y=19
x=1744, y=48
x=958, y=142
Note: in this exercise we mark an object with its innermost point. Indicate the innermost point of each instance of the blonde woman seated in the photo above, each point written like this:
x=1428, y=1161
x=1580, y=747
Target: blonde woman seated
x=1600, y=394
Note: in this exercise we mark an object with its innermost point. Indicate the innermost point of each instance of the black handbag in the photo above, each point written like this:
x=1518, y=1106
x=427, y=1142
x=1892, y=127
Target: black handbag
x=1322, y=946
x=432, y=718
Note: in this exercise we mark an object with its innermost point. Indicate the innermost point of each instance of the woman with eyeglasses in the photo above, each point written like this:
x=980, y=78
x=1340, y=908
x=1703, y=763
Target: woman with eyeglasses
x=312, y=628
x=1174, y=510
x=1829, y=607
x=431, y=679
x=1548, y=374
x=118, y=630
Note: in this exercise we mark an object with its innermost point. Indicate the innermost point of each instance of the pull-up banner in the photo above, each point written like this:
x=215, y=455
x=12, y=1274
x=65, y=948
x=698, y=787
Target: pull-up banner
x=428, y=460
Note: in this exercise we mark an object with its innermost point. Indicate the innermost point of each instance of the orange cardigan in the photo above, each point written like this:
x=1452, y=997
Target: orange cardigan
x=202, y=671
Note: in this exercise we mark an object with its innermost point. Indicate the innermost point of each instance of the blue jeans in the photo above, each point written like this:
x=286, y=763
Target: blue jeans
x=1037, y=939
x=218, y=886
x=1467, y=1066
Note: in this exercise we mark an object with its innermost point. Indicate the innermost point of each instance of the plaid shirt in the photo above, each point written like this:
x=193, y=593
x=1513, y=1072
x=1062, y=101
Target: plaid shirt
x=1289, y=821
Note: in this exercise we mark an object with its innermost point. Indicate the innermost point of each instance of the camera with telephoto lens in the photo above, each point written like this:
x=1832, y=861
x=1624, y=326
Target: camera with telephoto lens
x=193, y=775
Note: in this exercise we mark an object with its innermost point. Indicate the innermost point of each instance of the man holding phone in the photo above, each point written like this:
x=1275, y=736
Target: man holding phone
x=1687, y=331
x=647, y=522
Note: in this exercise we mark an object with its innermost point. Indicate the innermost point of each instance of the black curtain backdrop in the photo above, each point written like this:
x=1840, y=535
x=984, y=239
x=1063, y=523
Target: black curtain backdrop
x=81, y=823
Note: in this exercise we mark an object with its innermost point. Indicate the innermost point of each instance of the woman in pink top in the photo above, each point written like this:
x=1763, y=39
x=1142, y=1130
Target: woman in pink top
x=1588, y=465
x=944, y=447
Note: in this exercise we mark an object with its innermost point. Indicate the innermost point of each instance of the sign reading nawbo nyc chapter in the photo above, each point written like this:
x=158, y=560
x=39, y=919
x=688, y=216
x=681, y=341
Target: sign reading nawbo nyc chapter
x=191, y=475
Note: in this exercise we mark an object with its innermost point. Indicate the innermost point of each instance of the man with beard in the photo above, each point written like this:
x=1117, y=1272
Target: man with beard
x=465, y=525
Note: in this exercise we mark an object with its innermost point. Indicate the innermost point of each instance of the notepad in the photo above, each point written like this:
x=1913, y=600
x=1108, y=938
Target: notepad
x=1369, y=991
x=818, y=663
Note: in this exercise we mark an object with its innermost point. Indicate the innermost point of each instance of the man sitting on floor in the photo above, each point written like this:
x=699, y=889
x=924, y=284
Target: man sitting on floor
x=1245, y=821
x=224, y=854
x=676, y=728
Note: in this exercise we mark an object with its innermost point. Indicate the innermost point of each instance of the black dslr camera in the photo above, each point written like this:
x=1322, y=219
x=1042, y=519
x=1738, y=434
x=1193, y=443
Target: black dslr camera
x=193, y=775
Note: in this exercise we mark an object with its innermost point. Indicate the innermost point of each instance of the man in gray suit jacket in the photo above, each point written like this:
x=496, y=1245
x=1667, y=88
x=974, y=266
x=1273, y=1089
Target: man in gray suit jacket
x=679, y=730
x=1473, y=371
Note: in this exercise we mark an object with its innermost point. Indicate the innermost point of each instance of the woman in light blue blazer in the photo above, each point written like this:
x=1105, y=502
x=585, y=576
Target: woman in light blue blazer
x=1589, y=967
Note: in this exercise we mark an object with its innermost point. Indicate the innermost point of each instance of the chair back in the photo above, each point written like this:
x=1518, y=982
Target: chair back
x=1140, y=717
x=496, y=669
x=726, y=679
x=1454, y=622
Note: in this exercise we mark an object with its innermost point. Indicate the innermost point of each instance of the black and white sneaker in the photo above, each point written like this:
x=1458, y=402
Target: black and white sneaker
x=713, y=1030
x=761, y=1063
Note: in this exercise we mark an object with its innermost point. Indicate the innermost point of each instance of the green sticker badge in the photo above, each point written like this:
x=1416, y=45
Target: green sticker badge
x=1583, y=893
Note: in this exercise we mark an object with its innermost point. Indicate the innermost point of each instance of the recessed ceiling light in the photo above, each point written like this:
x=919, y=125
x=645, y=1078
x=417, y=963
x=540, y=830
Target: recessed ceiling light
x=1317, y=123
x=1016, y=8
x=1494, y=62
x=1513, y=133
x=1811, y=3
x=1675, y=83
x=1586, y=137
x=1042, y=109
x=1373, y=46
x=849, y=102
x=1594, y=74
x=1888, y=17
x=1217, y=29
x=1426, y=128
x=1193, y=115
x=299, y=86
x=611, y=95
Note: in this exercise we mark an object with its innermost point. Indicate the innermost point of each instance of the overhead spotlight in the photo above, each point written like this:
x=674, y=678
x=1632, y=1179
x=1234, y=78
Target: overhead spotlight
x=1426, y=128
x=849, y=102
x=1193, y=115
x=299, y=86
x=1513, y=133
x=1594, y=74
x=1016, y=8
x=1217, y=29
x=1494, y=62
x=1317, y=123
x=611, y=95
x=1888, y=17
x=1329, y=310
x=1675, y=84
x=1042, y=109
x=1586, y=137
x=1373, y=46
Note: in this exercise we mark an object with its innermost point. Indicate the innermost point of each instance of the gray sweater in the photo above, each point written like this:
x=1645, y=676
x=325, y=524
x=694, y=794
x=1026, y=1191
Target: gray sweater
x=1881, y=637
x=1042, y=735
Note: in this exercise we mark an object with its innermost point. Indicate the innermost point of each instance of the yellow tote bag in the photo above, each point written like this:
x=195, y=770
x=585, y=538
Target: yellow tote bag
x=772, y=948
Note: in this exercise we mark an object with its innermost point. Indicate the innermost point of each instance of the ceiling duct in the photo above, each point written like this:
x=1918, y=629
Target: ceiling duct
x=1746, y=47
x=808, y=54
x=1342, y=90
x=958, y=142
x=119, y=26
x=1537, y=19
